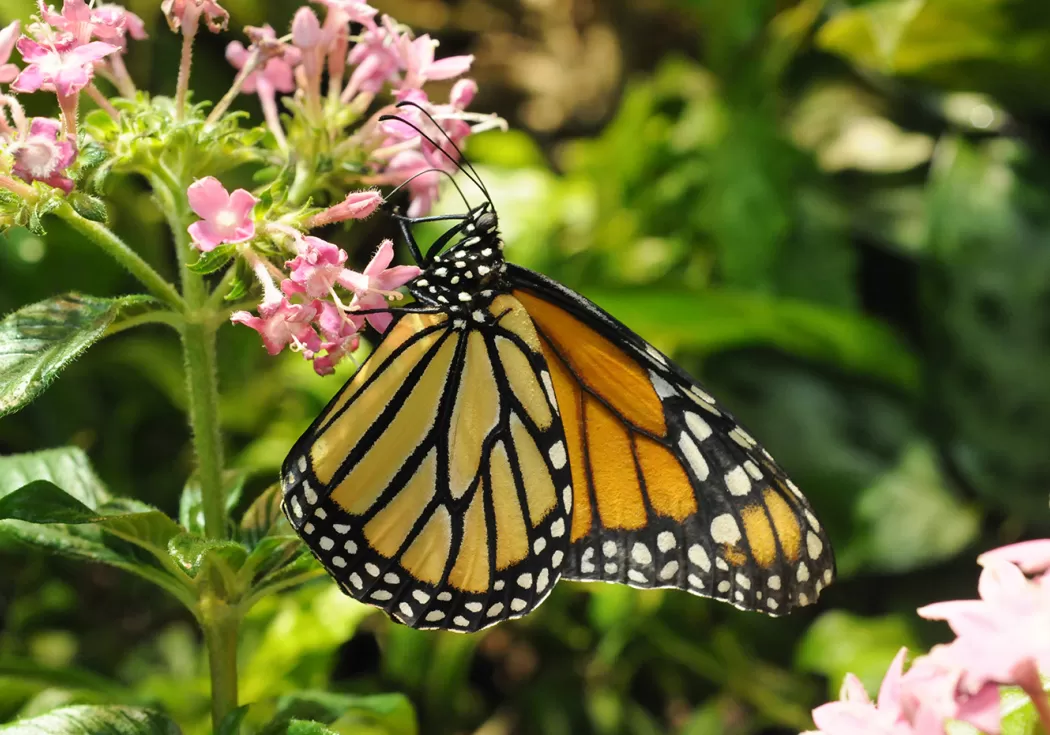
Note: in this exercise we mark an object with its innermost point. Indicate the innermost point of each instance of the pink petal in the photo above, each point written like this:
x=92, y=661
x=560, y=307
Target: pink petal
x=383, y=257
x=396, y=277
x=236, y=54
x=1001, y=580
x=31, y=50
x=8, y=73
x=890, y=691
x=853, y=691
x=90, y=53
x=30, y=80
x=451, y=67
x=982, y=710
x=46, y=127
x=8, y=37
x=1031, y=556
x=71, y=80
x=204, y=235
x=463, y=93
x=841, y=718
x=241, y=203
x=207, y=197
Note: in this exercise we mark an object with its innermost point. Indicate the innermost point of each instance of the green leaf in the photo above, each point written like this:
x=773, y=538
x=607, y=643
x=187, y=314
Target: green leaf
x=717, y=320
x=67, y=467
x=231, y=723
x=37, y=342
x=391, y=714
x=213, y=260
x=909, y=518
x=197, y=555
x=839, y=642
x=191, y=502
x=306, y=727
x=264, y=517
x=89, y=207
x=113, y=720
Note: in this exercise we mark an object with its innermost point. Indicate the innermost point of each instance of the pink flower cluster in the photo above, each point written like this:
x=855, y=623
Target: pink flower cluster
x=63, y=51
x=305, y=312
x=1003, y=638
x=357, y=68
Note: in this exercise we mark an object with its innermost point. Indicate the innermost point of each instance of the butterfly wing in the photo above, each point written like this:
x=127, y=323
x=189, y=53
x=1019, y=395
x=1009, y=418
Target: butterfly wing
x=435, y=485
x=670, y=490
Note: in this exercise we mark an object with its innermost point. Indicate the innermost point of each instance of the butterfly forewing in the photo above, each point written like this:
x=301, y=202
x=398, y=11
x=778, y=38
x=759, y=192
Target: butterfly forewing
x=435, y=485
x=670, y=490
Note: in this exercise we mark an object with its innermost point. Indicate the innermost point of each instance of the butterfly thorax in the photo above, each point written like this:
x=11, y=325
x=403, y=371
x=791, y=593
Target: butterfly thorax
x=465, y=276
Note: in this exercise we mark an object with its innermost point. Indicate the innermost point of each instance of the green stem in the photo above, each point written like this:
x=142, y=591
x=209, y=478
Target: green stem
x=220, y=624
x=301, y=184
x=117, y=249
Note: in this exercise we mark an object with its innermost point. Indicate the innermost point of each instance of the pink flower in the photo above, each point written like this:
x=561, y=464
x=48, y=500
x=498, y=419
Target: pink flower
x=67, y=68
x=411, y=166
x=39, y=155
x=317, y=267
x=1033, y=557
x=354, y=11
x=283, y=324
x=933, y=692
x=80, y=22
x=178, y=12
x=225, y=217
x=378, y=57
x=357, y=205
x=856, y=714
x=378, y=282
x=114, y=22
x=8, y=37
x=420, y=66
x=275, y=76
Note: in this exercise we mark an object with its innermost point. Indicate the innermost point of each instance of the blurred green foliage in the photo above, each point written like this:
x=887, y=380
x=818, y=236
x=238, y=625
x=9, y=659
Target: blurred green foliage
x=836, y=214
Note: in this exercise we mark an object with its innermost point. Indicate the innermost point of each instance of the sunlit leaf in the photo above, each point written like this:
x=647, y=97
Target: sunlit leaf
x=38, y=341
x=110, y=720
x=67, y=467
x=191, y=502
x=391, y=714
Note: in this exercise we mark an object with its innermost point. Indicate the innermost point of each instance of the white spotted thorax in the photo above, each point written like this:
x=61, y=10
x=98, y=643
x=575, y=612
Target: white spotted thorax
x=463, y=279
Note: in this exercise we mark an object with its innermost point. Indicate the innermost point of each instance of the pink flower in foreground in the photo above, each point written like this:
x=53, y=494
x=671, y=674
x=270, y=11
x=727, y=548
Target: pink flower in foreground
x=66, y=69
x=934, y=691
x=225, y=217
x=283, y=324
x=80, y=22
x=8, y=36
x=856, y=714
x=39, y=155
x=377, y=283
x=317, y=267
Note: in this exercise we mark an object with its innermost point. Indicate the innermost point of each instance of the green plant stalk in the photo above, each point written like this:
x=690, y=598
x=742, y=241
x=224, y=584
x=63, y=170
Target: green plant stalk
x=220, y=623
x=117, y=249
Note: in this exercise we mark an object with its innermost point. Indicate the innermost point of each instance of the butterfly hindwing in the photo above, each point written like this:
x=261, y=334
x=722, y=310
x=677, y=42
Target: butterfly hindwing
x=670, y=491
x=435, y=484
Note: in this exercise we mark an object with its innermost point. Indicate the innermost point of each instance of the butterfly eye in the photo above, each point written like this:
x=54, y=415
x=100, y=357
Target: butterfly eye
x=487, y=223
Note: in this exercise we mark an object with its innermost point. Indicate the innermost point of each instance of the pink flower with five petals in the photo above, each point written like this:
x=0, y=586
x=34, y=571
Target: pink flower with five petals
x=420, y=66
x=283, y=324
x=317, y=267
x=67, y=69
x=39, y=154
x=225, y=217
x=378, y=282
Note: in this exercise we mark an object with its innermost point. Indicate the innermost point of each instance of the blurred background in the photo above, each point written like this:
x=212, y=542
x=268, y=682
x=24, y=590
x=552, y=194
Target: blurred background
x=836, y=214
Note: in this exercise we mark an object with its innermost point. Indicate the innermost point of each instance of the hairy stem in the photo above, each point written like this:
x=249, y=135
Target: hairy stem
x=117, y=249
x=190, y=24
x=220, y=624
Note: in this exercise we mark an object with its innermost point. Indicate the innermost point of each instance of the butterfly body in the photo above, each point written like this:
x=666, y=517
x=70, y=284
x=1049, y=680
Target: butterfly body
x=509, y=433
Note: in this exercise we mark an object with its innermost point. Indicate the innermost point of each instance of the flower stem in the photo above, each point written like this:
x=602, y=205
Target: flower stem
x=117, y=249
x=220, y=623
x=190, y=23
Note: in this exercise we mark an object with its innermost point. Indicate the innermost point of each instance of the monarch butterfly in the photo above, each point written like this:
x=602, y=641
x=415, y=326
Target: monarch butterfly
x=507, y=432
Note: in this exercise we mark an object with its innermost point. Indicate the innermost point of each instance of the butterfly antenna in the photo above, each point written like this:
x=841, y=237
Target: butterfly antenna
x=445, y=153
x=412, y=178
x=456, y=148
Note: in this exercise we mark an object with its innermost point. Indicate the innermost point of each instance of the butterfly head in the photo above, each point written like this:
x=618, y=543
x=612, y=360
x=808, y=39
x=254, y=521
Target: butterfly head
x=465, y=275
